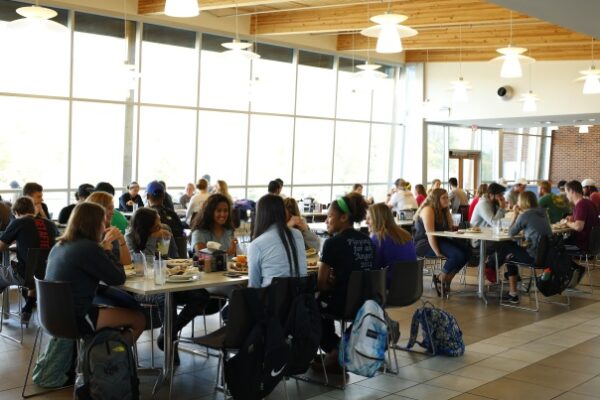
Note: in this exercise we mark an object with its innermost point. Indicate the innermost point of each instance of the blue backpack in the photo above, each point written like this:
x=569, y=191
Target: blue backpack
x=441, y=333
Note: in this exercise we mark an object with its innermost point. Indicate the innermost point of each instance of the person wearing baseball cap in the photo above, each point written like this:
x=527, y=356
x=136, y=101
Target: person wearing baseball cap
x=155, y=192
x=513, y=195
x=83, y=191
x=589, y=187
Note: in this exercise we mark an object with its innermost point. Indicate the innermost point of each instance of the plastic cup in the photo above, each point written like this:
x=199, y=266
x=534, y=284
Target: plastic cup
x=163, y=246
x=139, y=263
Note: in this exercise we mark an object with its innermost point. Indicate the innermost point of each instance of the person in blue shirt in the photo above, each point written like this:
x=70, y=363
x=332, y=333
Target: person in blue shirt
x=392, y=243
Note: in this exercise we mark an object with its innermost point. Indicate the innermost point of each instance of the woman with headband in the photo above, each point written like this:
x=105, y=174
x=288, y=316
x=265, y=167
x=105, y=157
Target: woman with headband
x=348, y=250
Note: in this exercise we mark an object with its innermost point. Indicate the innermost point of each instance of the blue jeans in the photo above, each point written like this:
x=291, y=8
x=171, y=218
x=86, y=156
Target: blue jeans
x=457, y=254
x=517, y=254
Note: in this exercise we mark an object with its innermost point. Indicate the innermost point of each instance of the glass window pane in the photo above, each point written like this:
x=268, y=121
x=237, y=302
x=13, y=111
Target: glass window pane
x=169, y=67
x=380, y=153
x=36, y=63
x=224, y=84
x=172, y=162
x=270, y=149
x=100, y=51
x=313, y=151
x=377, y=192
x=350, y=166
x=383, y=99
x=55, y=201
x=489, y=155
x=339, y=191
x=316, y=85
x=435, y=152
x=321, y=194
x=222, y=146
x=353, y=98
x=97, y=142
x=273, y=86
x=34, y=141
x=461, y=138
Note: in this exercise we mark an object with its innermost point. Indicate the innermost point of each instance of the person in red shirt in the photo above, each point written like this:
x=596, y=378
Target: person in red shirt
x=481, y=191
x=420, y=194
x=585, y=215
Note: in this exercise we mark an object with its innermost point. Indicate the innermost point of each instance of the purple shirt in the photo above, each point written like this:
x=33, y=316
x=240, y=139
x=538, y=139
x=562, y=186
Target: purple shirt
x=388, y=252
x=585, y=211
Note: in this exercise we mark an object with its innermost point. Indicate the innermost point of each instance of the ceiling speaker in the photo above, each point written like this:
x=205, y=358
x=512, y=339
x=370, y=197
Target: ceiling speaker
x=505, y=92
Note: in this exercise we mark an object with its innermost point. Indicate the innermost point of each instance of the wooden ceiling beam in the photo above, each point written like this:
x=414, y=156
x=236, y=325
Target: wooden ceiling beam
x=146, y=7
x=421, y=13
x=540, y=54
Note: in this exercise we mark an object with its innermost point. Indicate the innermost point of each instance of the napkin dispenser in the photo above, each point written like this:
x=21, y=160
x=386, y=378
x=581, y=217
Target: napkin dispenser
x=214, y=260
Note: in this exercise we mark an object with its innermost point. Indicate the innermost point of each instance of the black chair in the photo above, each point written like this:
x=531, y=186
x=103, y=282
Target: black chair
x=463, y=210
x=35, y=267
x=362, y=286
x=591, y=256
x=56, y=314
x=228, y=338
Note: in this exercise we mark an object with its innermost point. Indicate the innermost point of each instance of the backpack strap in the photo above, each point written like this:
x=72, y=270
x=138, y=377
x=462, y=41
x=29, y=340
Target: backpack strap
x=414, y=328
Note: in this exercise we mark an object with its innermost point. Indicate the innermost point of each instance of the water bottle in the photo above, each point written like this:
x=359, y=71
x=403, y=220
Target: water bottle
x=159, y=273
x=546, y=274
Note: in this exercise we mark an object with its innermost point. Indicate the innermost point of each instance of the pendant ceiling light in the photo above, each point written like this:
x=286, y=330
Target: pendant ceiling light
x=388, y=31
x=460, y=87
x=237, y=48
x=37, y=22
x=182, y=8
x=529, y=99
x=512, y=57
x=129, y=71
x=591, y=77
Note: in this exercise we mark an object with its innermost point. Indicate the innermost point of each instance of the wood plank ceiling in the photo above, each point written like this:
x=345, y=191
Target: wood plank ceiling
x=448, y=29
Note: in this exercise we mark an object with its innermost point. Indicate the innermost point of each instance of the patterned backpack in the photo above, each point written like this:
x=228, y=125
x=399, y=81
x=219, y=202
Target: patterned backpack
x=441, y=333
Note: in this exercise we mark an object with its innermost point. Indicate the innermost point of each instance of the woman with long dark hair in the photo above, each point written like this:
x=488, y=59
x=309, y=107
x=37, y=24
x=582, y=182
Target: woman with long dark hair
x=84, y=258
x=214, y=224
x=276, y=250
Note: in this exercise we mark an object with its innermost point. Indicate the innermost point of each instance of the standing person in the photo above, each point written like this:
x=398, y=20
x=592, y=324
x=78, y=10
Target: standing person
x=275, y=250
x=187, y=196
x=513, y=195
x=28, y=231
x=168, y=200
x=131, y=197
x=346, y=251
x=111, y=233
x=434, y=216
x=585, y=216
x=155, y=193
x=222, y=188
x=481, y=191
x=118, y=219
x=435, y=184
x=533, y=221
x=83, y=191
x=84, y=258
x=274, y=188
x=392, y=243
x=197, y=200
x=214, y=224
x=280, y=181
x=295, y=220
x=36, y=192
x=457, y=196
x=420, y=194
x=402, y=199
x=557, y=206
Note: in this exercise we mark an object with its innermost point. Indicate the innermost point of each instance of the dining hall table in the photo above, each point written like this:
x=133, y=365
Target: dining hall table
x=483, y=236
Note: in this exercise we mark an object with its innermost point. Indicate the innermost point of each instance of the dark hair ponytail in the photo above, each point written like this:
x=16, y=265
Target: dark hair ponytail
x=357, y=207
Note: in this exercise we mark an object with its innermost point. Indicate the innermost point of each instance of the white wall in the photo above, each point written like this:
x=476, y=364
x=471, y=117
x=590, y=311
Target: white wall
x=552, y=81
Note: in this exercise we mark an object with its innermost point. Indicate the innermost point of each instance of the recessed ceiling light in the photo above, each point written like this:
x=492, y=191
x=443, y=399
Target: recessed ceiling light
x=548, y=122
x=499, y=124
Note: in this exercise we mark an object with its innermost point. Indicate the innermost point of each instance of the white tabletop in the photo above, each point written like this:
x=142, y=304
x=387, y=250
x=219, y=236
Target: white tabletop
x=486, y=234
x=141, y=285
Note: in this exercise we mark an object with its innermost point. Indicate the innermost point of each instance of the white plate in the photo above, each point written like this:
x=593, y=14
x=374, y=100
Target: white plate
x=181, y=278
x=129, y=272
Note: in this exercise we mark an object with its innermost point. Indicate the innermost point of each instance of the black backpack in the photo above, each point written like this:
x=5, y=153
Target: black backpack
x=108, y=366
x=558, y=261
x=259, y=365
x=303, y=326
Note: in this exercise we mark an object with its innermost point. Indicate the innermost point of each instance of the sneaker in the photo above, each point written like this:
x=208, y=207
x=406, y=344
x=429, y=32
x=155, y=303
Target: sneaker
x=490, y=274
x=510, y=299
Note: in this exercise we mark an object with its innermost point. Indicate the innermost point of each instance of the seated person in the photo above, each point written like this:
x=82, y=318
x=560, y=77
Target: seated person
x=111, y=233
x=295, y=220
x=118, y=219
x=155, y=192
x=197, y=200
x=346, y=251
x=131, y=197
x=481, y=192
x=434, y=216
x=82, y=257
x=168, y=200
x=5, y=214
x=143, y=236
x=214, y=224
x=532, y=220
x=513, y=195
x=36, y=192
x=457, y=196
x=28, y=232
x=83, y=191
x=490, y=207
x=276, y=250
x=585, y=216
x=420, y=193
x=392, y=243
x=589, y=187
x=557, y=206
x=185, y=198
x=402, y=199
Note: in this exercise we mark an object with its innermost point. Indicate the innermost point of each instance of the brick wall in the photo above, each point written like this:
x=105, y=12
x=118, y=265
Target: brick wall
x=575, y=155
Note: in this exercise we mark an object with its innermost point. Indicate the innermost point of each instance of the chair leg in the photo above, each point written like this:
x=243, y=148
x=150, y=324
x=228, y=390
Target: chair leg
x=344, y=383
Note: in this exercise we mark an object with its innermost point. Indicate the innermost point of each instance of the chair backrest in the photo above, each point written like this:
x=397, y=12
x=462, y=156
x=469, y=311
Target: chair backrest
x=406, y=286
x=35, y=265
x=594, y=246
x=240, y=321
x=182, y=249
x=56, y=310
x=362, y=286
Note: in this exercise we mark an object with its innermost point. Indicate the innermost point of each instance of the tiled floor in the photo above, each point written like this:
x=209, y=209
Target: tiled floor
x=510, y=354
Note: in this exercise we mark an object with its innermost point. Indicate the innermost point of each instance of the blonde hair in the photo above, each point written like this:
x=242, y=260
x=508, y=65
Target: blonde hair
x=527, y=200
x=86, y=222
x=102, y=198
x=291, y=206
x=383, y=224
x=433, y=201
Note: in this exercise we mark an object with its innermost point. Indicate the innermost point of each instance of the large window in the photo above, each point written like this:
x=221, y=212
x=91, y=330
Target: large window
x=316, y=85
x=525, y=154
x=351, y=154
x=270, y=154
x=313, y=151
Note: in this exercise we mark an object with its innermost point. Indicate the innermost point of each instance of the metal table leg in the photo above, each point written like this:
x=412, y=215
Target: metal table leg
x=163, y=378
x=481, y=279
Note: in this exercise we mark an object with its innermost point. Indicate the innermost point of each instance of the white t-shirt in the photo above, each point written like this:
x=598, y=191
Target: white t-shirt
x=403, y=200
x=195, y=205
